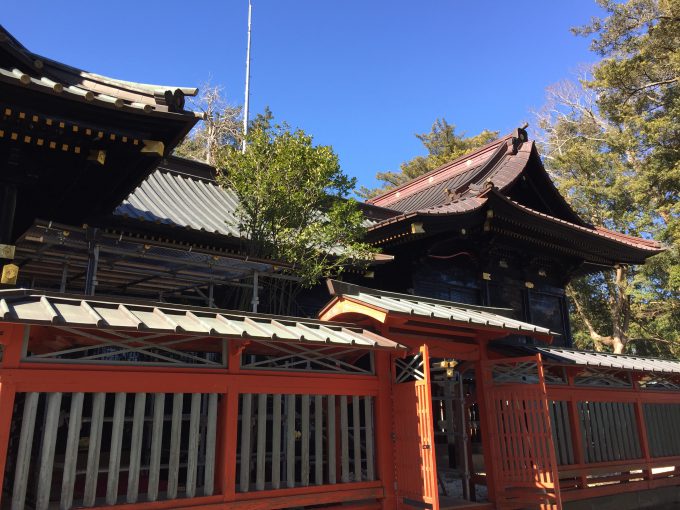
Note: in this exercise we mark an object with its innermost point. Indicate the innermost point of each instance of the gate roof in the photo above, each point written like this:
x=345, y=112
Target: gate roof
x=409, y=306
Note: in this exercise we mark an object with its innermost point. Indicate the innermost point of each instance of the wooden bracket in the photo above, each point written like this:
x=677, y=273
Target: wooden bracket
x=10, y=274
x=153, y=147
x=7, y=251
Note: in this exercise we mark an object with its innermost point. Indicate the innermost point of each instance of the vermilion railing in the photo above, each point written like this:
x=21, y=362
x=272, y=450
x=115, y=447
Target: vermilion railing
x=613, y=440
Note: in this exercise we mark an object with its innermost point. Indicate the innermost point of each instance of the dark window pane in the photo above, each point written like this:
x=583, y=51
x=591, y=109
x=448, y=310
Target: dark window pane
x=507, y=296
x=443, y=281
x=546, y=311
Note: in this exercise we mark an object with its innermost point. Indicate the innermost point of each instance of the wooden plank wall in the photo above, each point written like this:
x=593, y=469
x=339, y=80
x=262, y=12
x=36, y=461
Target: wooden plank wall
x=662, y=423
x=292, y=440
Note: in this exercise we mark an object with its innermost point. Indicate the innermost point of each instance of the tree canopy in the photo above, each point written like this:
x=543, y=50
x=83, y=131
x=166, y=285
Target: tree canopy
x=612, y=144
x=442, y=143
x=294, y=203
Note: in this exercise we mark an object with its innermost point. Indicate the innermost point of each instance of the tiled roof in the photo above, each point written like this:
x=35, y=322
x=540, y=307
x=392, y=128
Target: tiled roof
x=434, y=308
x=51, y=77
x=432, y=184
x=27, y=306
x=183, y=201
x=606, y=360
x=178, y=199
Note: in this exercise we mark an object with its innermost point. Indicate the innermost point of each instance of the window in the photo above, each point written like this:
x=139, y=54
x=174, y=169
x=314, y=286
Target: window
x=546, y=311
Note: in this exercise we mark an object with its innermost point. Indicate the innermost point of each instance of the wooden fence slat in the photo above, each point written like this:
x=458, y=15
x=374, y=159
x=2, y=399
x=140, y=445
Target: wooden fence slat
x=608, y=431
x=94, y=449
x=290, y=441
x=330, y=402
x=598, y=440
x=261, y=441
x=21, y=470
x=584, y=422
x=138, y=417
x=304, y=453
x=627, y=433
x=567, y=432
x=156, y=445
x=344, y=440
x=192, y=447
x=115, y=449
x=210, y=445
x=370, y=460
x=49, y=441
x=71, y=453
x=356, y=428
x=634, y=432
x=318, y=440
x=175, y=444
x=276, y=441
x=246, y=418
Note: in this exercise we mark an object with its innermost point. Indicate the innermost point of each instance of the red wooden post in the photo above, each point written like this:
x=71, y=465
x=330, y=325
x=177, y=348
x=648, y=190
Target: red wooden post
x=7, y=392
x=230, y=424
x=383, y=429
x=577, y=438
x=644, y=438
x=12, y=340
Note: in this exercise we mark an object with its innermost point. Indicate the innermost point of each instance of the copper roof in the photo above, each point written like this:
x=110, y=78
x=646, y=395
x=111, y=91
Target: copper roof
x=450, y=174
x=463, y=186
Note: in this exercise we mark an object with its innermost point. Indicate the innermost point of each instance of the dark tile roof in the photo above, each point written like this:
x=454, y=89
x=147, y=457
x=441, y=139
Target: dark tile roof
x=429, y=189
x=22, y=68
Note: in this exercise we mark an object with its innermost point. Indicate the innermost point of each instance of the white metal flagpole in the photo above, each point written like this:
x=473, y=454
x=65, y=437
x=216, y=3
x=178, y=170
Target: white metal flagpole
x=247, y=99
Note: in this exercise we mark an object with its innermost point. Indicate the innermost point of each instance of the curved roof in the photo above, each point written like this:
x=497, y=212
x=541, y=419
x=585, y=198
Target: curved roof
x=23, y=68
x=466, y=184
x=417, y=306
x=184, y=193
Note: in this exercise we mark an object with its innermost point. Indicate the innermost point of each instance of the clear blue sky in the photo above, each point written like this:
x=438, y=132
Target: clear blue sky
x=362, y=76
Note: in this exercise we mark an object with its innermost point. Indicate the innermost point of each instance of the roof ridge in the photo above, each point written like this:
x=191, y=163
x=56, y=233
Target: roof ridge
x=598, y=353
x=444, y=167
x=38, y=62
x=337, y=287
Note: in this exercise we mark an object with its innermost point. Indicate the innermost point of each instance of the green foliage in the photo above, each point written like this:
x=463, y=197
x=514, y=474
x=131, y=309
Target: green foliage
x=293, y=201
x=443, y=144
x=612, y=143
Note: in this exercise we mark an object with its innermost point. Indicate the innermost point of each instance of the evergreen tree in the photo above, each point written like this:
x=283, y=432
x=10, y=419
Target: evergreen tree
x=612, y=144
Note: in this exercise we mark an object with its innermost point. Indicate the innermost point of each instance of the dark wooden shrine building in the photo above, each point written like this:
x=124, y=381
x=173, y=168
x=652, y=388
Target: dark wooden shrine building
x=491, y=228
x=136, y=372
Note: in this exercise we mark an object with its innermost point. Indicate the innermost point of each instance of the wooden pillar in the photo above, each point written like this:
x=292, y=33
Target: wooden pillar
x=11, y=339
x=383, y=428
x=228, y=432
x=7, y=393
x=643, y=437
x=484, y=419
x=576, y=432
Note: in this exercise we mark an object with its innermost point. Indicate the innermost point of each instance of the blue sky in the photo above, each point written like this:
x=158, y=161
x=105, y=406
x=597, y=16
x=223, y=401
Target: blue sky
x=362, y=76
